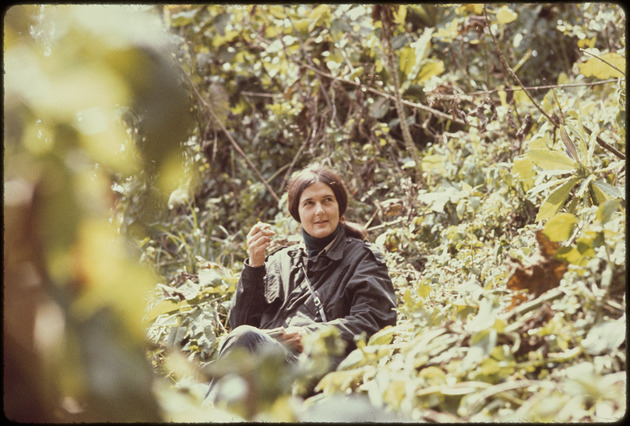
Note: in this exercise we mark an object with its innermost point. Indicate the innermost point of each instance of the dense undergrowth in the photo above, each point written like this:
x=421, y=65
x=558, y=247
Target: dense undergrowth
x=484, y=149
x=497, y=321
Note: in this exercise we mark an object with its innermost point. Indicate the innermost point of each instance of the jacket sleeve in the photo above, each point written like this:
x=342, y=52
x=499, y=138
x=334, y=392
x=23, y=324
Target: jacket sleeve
x=248, y=302
x=372, y=299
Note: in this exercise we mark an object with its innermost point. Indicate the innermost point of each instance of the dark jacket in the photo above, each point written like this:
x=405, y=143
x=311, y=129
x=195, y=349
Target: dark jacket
x=350, y=278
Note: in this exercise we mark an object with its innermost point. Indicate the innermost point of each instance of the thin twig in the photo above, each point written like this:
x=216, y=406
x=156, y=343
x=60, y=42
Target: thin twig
x=605, y=145
x=261, y=94
x=386, y=224
x=238, y=149
x=235, y=144
x=532, y=88
x=512, y=73
x=382, y=94
x=603, y=60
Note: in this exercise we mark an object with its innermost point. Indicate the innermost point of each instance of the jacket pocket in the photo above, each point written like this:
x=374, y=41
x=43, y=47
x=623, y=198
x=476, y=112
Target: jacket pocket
x=272, y=288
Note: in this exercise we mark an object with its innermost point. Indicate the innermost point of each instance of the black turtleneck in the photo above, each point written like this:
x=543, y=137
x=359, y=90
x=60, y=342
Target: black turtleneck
x=315, y=245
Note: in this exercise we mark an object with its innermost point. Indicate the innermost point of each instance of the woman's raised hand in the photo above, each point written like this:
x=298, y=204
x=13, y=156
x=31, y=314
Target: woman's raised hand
x=258, y=241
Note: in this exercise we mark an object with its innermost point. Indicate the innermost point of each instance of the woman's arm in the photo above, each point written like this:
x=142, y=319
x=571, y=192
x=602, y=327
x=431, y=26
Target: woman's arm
x=248, y=301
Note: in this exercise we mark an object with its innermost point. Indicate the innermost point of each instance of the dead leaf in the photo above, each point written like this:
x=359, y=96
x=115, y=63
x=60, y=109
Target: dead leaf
x=391, y=207
x=543, y=272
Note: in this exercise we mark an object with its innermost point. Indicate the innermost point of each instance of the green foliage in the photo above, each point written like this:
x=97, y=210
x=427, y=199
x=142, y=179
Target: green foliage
x=587, y=173
x=91, y=104
x=76, y=341
x=192, y=309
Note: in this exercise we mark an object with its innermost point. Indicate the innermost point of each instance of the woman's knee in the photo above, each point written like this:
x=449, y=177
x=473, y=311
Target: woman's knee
x=244, y=336
x=246, y=331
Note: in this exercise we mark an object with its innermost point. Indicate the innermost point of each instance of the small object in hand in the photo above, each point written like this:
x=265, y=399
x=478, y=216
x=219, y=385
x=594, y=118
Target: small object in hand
x=275, y=332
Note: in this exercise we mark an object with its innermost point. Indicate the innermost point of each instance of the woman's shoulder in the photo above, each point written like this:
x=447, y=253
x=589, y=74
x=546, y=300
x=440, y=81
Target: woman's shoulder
x=364, y=247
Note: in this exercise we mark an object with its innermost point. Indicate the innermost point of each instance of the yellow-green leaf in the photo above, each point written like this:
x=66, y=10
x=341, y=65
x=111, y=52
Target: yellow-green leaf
x=505, y=15
x=551, y=160
x=604, y=191
x=430, y=69
x=523, y=168
x=433, y=375
x=408, y=299
x=424, y=290
x=598, y=195
x=572, y=255
x=499, y=325
x=320, y=16
x=395, y=392
x=556, y=200
x=587, y=42
x=450, y=30
x=606, y=210
x=560, y=227
x=165, y=306
x=356, y=73
x=407, y=59
x=607, y=65
x=433, y=163
x=400, y=15
x=382, y=337
x=470, y=9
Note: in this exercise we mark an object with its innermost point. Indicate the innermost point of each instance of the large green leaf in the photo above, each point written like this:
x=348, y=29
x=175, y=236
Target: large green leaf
x=560, y=227
x=607, y=191
x=551, y=160
x=556, y=200
x=608, y=65
x=415, y=57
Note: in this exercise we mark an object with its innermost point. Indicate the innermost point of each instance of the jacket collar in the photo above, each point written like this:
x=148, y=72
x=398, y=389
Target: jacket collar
x=333, y=251
x=316, y=245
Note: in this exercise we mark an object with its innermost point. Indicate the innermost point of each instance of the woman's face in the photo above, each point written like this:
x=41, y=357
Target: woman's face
x=319, y=211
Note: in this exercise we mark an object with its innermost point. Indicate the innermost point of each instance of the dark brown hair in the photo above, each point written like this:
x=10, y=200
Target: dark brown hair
x=316, y=173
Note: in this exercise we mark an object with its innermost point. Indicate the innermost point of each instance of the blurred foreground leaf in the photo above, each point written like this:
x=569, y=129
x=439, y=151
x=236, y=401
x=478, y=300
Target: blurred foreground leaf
x=75, y=293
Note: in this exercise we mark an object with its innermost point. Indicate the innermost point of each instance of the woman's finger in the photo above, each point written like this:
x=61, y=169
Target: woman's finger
x=258, y=240
x=260, y=228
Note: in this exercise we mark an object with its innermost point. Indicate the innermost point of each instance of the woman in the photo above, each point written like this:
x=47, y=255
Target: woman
x=334, y=278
